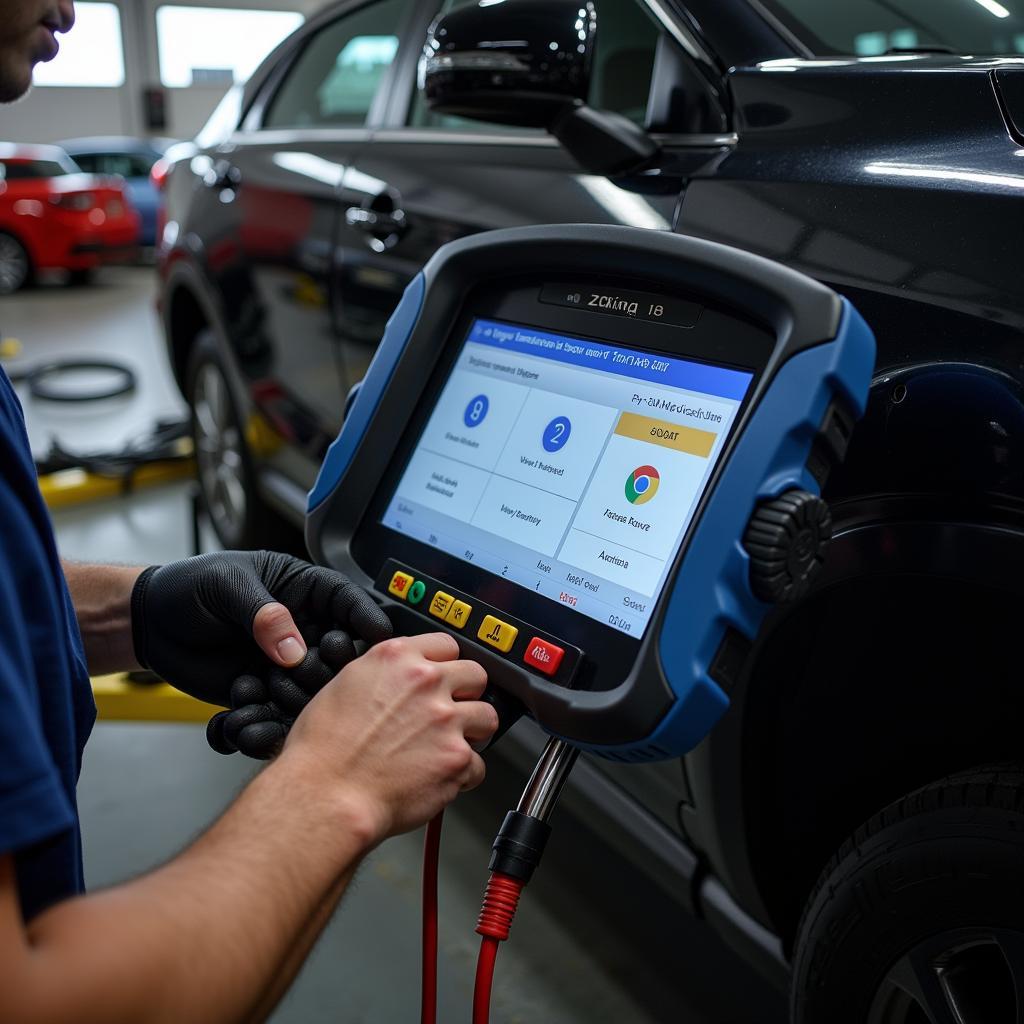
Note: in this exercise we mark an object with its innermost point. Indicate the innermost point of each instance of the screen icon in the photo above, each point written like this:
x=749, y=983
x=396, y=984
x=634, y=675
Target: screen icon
x=642, y=485
x=556, y=433
x=476, y=411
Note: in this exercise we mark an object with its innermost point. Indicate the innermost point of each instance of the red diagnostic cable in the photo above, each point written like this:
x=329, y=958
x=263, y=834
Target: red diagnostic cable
x=500, y=902
x=484, y=977
x=431, y=851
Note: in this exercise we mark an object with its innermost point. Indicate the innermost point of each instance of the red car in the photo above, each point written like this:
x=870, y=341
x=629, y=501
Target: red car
x=52, y=216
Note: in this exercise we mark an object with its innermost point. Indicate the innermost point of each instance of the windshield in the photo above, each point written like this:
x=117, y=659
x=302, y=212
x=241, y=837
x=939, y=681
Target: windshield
x=869, y=28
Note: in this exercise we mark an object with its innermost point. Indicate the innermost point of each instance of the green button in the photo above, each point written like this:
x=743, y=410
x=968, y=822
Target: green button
x=416, y=592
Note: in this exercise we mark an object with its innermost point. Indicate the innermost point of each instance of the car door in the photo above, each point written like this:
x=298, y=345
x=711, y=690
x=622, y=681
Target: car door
x=423, y=180
x=283, y=171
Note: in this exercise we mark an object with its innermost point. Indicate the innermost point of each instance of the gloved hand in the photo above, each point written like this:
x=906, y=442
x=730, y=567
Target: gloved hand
x=202, y=622
x=264, y=709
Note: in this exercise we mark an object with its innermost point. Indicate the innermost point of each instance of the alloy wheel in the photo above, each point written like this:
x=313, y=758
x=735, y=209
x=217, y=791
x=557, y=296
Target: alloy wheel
x=966, y=976
x=14, y=267
x=219, y=453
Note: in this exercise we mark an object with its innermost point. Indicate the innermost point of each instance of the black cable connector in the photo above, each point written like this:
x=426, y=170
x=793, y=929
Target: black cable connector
x=519, y=846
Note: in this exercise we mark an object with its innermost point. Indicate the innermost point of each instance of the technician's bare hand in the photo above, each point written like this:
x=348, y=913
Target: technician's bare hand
x=394, y=728
x=201, y=622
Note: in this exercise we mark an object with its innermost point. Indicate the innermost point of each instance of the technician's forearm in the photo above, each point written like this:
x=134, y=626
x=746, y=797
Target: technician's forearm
x=286, y=972
x=201, y=938
x=102, y=596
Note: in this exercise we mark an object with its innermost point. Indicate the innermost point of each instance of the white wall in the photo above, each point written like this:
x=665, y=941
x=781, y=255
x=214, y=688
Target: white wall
x=52, y=113
x=46, y=115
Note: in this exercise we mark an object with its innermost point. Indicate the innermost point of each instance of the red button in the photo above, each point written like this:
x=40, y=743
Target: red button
x=543, y=656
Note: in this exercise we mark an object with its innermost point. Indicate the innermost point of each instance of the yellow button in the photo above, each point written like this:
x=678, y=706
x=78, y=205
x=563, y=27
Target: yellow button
x=400, y=584
x=668, y=435
x=497, y=633
x=458, y=614
x=440, y=603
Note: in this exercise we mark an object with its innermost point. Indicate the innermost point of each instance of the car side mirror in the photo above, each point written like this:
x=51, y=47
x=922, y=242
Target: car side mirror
x=527, y=63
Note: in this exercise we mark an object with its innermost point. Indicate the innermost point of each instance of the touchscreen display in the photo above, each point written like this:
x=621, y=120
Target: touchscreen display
x=571, y=467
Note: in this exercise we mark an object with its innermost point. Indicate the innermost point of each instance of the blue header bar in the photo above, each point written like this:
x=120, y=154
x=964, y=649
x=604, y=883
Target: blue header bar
x=624, y=362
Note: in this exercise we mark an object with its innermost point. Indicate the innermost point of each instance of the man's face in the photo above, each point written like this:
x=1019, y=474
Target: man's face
x=28, y=35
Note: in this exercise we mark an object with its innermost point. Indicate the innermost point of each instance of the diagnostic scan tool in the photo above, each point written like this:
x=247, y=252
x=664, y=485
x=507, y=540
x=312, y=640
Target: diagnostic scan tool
x=594, y=455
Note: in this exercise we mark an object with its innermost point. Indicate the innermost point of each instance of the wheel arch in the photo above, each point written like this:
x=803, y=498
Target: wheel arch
x=6, y=228
x=186, y=321
x=187, y=310
x=900, y=668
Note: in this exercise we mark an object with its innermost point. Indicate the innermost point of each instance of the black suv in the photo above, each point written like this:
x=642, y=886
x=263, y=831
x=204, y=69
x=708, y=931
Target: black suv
x=855, y=825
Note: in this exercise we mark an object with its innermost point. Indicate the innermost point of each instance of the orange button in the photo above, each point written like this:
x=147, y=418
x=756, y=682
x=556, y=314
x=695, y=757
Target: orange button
x=544, y=656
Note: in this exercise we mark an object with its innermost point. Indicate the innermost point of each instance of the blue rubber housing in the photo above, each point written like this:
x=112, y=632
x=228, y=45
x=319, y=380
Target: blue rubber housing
x=378, y=376
x=709, y=592
x=712, y=591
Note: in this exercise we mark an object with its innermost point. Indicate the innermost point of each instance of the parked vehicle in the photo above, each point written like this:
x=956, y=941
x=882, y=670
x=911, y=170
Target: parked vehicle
x=131, y=160
x=52, y=216
x=854, y=826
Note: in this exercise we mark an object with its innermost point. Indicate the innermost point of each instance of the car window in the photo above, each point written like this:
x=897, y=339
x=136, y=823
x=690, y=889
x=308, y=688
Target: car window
x=126, y=165
x=24, y=170
x=223, y=121
x=336, y=77
x=870, y=28
x=620, y=78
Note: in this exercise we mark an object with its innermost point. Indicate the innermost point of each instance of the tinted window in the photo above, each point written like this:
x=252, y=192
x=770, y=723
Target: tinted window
x=869, y=28
x=24, y=170
x=620, y=78
x=336, y=77
x=223, y=121
x=127, y=165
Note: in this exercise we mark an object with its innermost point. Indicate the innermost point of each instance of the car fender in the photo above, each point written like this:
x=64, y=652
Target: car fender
x=184, y=280
x=961, y=518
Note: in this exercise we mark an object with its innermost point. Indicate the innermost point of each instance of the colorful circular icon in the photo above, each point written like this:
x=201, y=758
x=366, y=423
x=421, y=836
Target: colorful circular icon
x=556, y=433
x=642, y=485
x=476, y=411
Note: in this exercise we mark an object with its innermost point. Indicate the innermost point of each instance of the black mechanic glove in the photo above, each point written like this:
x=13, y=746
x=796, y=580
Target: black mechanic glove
x=263, y=709
x=192, y=620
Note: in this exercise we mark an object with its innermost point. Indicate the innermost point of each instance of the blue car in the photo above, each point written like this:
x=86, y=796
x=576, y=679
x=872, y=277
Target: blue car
x=128, y=158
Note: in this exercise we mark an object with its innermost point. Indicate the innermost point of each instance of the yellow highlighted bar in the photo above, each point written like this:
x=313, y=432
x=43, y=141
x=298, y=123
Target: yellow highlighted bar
x=668, y=435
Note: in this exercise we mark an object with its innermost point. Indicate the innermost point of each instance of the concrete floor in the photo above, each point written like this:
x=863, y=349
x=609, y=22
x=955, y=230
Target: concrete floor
x=593, y=941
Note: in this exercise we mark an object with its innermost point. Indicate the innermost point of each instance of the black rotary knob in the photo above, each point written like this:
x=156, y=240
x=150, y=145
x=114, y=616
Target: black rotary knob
x=786, y=540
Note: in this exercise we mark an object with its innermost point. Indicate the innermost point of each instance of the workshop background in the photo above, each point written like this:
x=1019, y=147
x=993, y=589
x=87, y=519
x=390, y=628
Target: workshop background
x=595, y=941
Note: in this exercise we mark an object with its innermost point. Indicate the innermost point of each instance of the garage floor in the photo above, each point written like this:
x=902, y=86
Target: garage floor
x=591, y=943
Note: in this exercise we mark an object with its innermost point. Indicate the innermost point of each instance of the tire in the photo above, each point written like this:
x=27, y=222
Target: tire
x=921, y=911
x=224, y=464
x=15, y=264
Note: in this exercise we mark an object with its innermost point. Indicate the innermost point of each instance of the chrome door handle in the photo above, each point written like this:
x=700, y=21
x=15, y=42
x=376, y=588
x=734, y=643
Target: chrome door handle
x=383, y=228
x=222, y=175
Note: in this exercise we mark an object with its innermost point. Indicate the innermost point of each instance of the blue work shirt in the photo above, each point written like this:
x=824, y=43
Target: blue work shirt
x=46, y=704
